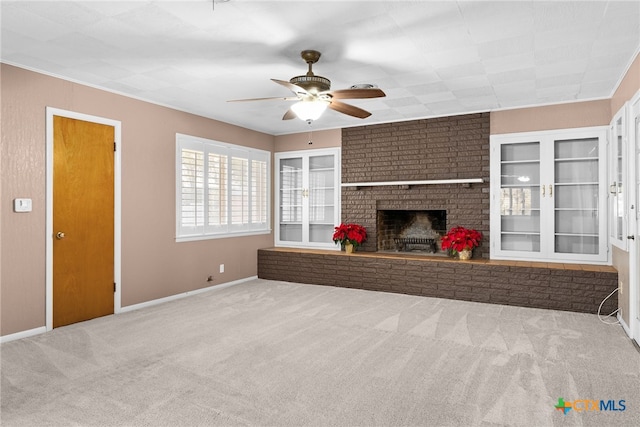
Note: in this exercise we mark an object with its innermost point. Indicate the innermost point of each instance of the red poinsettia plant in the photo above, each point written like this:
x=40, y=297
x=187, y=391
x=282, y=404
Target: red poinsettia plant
x=350, y=233
x=460, y=238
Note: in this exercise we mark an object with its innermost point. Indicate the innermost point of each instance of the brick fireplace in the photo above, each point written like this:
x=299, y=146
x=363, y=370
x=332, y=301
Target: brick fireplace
x=431, y=149
x=444, y=148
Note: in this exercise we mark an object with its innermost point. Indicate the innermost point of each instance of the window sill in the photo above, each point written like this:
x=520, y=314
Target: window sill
x=181, y=239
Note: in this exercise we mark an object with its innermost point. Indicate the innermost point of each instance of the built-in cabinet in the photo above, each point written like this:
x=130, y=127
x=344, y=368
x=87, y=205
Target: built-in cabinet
x=548, y=196
x=307, y=197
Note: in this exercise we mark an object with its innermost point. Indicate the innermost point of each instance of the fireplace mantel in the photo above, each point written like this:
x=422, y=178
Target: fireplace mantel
x=421, y=182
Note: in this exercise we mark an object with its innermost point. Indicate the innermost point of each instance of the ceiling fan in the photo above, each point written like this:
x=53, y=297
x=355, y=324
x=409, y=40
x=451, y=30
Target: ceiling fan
x=314, y=95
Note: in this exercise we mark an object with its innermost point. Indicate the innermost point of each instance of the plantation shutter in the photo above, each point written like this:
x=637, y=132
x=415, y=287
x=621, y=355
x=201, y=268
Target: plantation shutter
x=217, y=189
x=191, y=190
x=259, y=192
x=239, y=191
x=222, y=189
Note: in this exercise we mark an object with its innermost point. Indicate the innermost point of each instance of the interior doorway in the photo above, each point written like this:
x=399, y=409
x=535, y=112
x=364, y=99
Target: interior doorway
x=83, y=217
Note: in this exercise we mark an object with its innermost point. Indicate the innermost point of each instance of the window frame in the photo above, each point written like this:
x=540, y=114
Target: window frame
x=242, y=196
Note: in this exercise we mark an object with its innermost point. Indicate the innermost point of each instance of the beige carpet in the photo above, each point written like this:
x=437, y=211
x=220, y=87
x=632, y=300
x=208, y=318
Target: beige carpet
x=286, y=354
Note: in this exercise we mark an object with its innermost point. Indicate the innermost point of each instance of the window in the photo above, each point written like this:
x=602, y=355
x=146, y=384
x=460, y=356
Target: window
x=221, y=189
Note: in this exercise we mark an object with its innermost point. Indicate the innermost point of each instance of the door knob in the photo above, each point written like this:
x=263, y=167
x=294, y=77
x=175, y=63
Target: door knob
x=59, y=235
x=632, y=237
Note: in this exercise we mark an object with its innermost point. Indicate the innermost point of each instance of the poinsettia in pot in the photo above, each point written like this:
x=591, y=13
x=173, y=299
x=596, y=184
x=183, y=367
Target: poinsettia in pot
x=349, y=236
x=461, y=241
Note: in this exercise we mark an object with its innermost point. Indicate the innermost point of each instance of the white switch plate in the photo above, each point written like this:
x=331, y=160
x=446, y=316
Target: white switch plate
x=22, y=205
x=221, y=268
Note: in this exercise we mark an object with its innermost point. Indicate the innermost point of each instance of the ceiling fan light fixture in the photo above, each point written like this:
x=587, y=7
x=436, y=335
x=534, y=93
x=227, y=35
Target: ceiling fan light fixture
x=309, y=110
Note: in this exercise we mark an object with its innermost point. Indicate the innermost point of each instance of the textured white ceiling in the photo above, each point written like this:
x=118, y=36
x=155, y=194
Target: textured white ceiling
x=431, y=58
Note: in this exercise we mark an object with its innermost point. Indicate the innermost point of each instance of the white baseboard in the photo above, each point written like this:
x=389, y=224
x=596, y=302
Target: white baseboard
x=43, y=329
x=625, y=327
x=183, y=295
x=23, y=334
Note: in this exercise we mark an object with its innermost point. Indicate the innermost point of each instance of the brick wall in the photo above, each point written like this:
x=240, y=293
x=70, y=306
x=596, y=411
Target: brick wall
x=442, y=148
x=539, y=285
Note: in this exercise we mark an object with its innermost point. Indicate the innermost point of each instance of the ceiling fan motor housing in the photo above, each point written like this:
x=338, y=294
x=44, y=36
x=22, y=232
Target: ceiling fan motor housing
x=313, y=84
x=310, y=82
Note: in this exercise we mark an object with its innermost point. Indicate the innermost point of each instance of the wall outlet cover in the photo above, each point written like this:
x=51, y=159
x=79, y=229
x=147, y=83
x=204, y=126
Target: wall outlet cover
x=22, y=205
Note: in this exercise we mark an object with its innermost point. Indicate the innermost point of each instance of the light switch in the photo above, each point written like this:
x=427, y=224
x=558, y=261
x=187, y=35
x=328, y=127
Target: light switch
x=22, y=205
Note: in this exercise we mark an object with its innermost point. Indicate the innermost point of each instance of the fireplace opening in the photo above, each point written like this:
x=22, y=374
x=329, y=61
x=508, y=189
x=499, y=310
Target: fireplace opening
x=415, y=231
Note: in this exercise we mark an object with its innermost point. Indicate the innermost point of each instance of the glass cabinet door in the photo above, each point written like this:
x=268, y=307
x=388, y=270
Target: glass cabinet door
x=322, y=188
x=576, y=196
x=617, y=171
x=290, y=199
x=308, y=197
x=520, y=197
x=548, y=199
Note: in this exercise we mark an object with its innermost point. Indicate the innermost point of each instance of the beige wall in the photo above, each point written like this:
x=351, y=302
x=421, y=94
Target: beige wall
x=560, y=116
x=628, y=87
x=300, y=141
x=153, y=264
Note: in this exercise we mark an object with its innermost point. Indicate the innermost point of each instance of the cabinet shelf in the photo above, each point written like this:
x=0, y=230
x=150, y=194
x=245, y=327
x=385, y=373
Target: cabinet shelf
x=576, y=159
x=521, y=233
x=573, y=184
x=519, y=162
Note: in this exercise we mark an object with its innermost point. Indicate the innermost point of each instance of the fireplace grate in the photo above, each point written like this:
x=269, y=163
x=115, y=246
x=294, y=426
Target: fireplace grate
x=406, y=244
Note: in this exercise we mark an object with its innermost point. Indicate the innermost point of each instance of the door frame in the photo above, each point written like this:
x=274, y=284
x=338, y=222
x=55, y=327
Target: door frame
x=634, y=219
x=117, y=182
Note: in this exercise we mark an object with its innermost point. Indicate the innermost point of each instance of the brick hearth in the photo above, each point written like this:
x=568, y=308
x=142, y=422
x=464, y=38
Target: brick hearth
x=569, y=287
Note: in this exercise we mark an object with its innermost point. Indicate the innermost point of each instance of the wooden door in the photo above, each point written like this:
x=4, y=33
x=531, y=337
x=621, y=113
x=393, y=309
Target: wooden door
x=83, y=220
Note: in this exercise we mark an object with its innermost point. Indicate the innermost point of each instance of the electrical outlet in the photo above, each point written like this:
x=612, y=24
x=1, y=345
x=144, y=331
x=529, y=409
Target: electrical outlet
x=221, y=268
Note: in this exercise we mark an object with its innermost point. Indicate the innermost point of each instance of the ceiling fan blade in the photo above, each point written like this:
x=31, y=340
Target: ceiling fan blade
x=279, y=98
x=294, y=88
x=289, y=115
x=350, y=110
x=357, y=93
